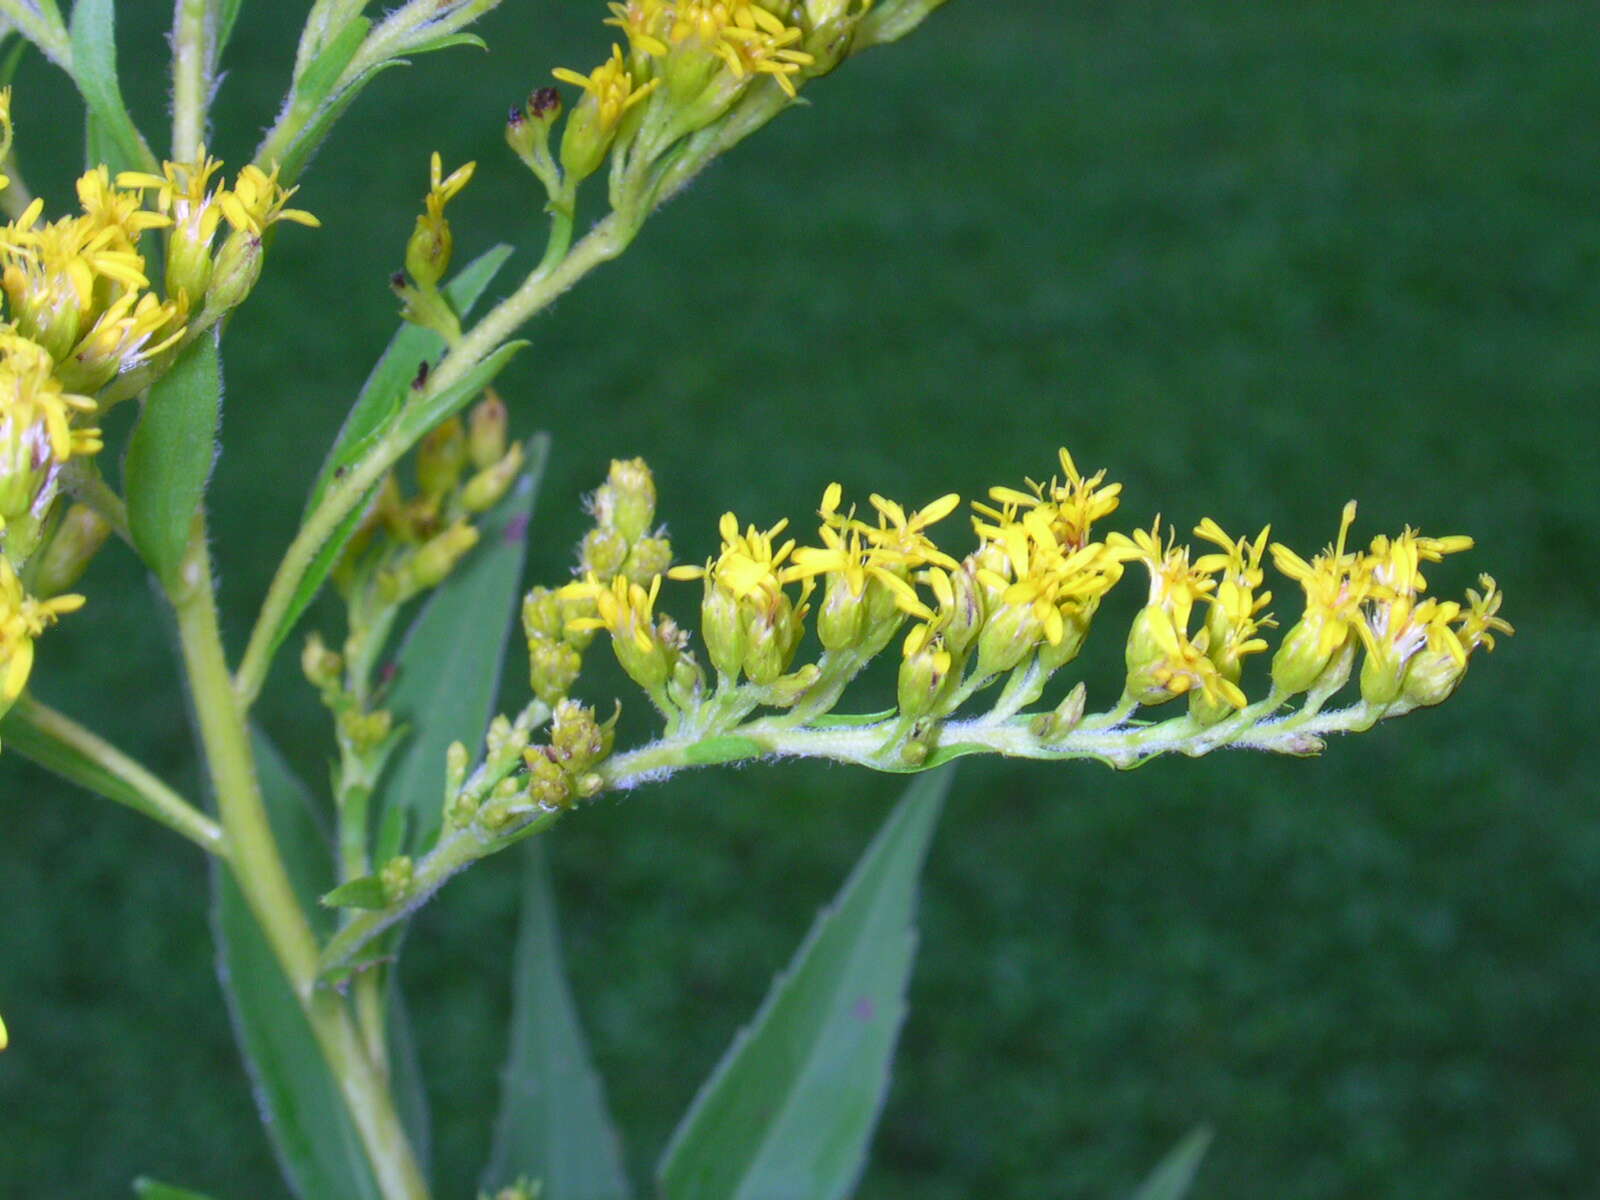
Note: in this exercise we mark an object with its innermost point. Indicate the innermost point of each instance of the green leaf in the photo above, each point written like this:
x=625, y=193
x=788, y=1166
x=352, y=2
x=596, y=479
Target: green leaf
x=850, y=720
x=553, y=1125
x=369, y=417
x=418, y=418
x=316, y=128
x=151, y=1189
x=450, y=39
x=19, y=733
x=94, y=70
x=227, y=14
x=450, y=660
x=365, y=892
x=323, y=72
x=790, y=1109
x=410, y=1095
x=316, y=1143
x=13, y=58
x=728, y=748
x=170, y=455
x=1172, y=1177
x=387, y=385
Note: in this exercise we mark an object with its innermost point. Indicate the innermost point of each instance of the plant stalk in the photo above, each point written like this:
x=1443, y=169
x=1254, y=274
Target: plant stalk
x=258, y=867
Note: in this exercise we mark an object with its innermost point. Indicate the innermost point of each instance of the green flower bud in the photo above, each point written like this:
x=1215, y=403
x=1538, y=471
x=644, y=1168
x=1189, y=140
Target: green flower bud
x=841, y=617
x=238, y=267
x=649, y=557
x=722, y=630
x=602, y=551
x=483, y=490
x=542, y=615
x=72, y=546
x=626, y=501
x=441, y=457
x=924, y=672
x=1304, y=655
x=577, y=740
x=189, y=263
x=438, y=556
x=396, y=878
x=547, y=784
x=553, y=667
x=322, y=666
x=456, y=762
x=1075, y=628
x=1054, y=725
x=1148, y=652
x=486, y=439
x=1008, y=636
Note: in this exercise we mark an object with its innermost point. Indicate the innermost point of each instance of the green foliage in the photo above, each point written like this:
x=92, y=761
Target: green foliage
x=1174, y=1175
x=94, y=70
x=150, y=1189
x=316, y=1143
x=790, y=1109
x=553, y=1125
x=170, y=456
x=449, y=663
x=372, y=416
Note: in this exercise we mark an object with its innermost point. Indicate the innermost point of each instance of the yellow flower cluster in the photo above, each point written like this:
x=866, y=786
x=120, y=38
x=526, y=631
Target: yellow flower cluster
x=1021, y=604
x=78, y=313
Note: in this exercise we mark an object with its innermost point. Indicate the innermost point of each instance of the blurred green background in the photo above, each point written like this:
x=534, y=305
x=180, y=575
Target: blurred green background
x=1254, y=259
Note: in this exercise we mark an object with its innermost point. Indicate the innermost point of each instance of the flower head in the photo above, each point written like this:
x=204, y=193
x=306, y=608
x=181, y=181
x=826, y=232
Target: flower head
x=22, y=619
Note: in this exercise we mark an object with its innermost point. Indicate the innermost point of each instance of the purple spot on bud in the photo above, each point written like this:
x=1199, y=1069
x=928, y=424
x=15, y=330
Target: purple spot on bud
x=863, y=1009
x=543, y=101
x=515, y=118
x=390, y=670
x=422, y=375
x=516, y=529
x=397, y=280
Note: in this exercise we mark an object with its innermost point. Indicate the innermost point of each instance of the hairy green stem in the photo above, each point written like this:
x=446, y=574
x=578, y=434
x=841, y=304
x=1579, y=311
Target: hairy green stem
x=43, y=28
x=258, y=867
x=601, y=244
x=191, y=76
x=35, y=729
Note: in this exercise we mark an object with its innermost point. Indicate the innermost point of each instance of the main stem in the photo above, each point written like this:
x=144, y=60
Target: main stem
x=259, y=871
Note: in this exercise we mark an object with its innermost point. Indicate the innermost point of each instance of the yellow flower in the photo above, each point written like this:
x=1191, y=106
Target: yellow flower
x=5, y=182
x=429, y=248
x=1234, y=616
x=609, y=88
x=1072, y=507
x=58, y=276
x=132, y=331
x=258, y=200
x=22, y=619
x=183, y=192
x=747, y=620
x=120, y=211
x=1335, y=583
x=1397, y=627
x=757, y=43
x=641, y=21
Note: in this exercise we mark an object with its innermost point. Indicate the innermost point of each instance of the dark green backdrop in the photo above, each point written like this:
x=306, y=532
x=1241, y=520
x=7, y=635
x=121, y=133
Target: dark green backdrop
x=1257, y=259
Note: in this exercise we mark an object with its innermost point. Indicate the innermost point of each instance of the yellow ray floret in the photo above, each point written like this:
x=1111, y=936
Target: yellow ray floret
x=22, y=619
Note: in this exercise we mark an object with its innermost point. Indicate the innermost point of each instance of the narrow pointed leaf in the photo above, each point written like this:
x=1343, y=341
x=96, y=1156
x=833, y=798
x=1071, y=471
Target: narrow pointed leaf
x=553, y=1125
x=324, y=70
x=365, y=892
x=94, y=69
x=448, y=665
x=369, y=417
x=417, y=419
x=170, y=455
x=152, y=1189
x=315, y=1141
x=1175, y=1173
x=790, y=1110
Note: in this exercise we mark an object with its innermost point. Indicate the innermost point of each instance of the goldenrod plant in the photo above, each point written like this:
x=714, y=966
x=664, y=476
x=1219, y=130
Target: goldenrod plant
x=980, y=607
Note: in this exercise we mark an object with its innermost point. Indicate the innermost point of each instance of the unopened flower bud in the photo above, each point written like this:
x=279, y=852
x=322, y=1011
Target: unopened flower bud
x=627, y=500
x=486, y=437
x=686, y=687
x=553, y=668
x=547, y=784
x=924, y=671
x=366, y=730
x=321, y=665
x=428, y=252
x=649, y=557
x=441, y=457
x=396, y=878
x=1053, y=725
x=1305, y=654
x=456, y=762
x=72, y=546
x=237, y=269
x=483, y=490
x=1383, y=672
x=542, y=615
x=577, y=740
x=438, y=556
x=842, y=614
x=189, y=266
x=722, y=630
x=1010, y=633
x=602, y=551
x=1150, y=642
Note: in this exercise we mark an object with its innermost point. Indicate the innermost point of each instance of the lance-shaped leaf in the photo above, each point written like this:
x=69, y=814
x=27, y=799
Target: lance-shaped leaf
x=153, y=1189
x=449, y=663
x=370, y=416
x=170, y=455
x=316, y=1143
x=94, y=70
x=1175, y=1173
x=553, y=1125
x=790, y=1110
